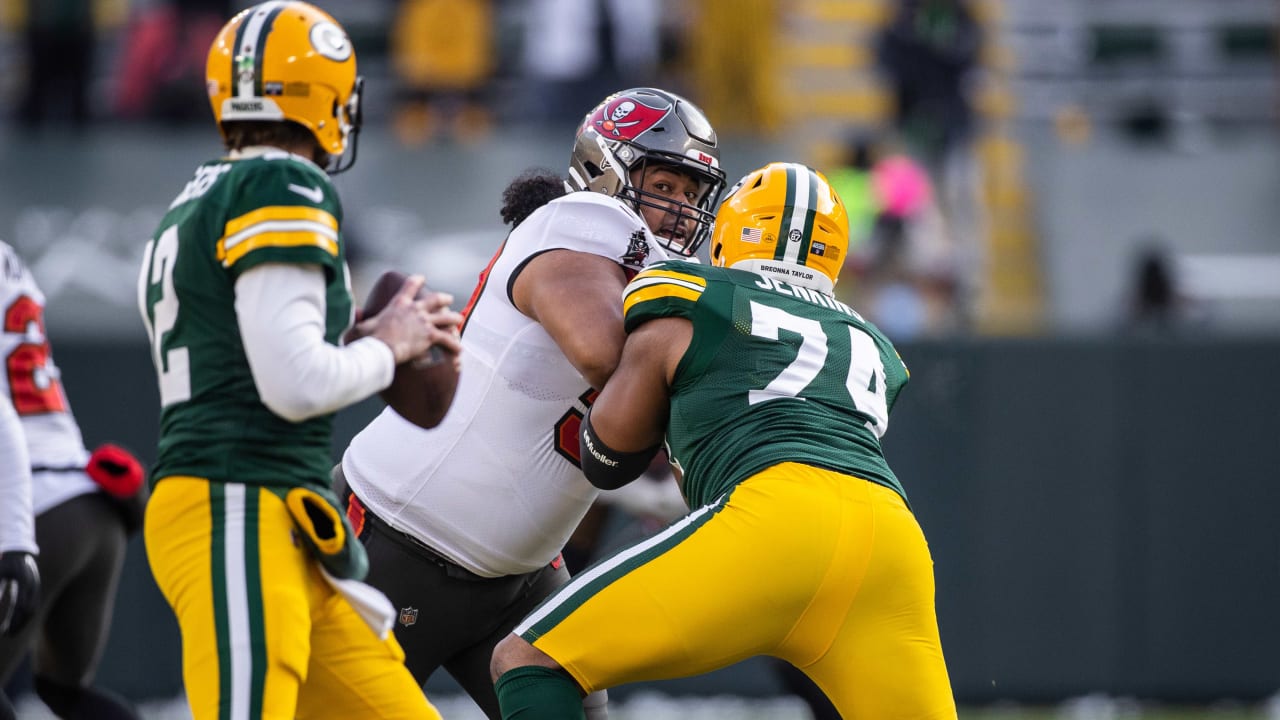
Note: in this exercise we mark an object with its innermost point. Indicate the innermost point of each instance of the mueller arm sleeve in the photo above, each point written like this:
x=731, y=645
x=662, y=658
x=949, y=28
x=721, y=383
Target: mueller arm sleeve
x=606, y=468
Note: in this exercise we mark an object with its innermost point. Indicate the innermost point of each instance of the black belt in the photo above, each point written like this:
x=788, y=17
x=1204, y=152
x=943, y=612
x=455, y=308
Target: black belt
x=356, y=509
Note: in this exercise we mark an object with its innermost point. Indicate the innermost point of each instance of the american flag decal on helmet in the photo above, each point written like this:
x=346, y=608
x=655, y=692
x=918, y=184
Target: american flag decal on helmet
x=751, y=235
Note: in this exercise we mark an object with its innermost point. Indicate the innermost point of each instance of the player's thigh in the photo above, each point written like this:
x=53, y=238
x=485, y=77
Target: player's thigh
x=470, y=666
x=355, y=674
x=63, y=550
x=886, y=660
x=225, y=558
x=725, y=583
x=79, y=606
x=13, y=649
x=438, y=614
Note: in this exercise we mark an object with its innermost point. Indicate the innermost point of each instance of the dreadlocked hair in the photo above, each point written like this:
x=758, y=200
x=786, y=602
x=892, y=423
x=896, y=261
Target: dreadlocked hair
x=533, y=188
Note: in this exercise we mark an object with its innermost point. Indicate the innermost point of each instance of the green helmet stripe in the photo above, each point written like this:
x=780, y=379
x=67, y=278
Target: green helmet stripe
x=810, y=214
x=797, y=220
x=780, y=248
x=251, y=40
x=235, y=58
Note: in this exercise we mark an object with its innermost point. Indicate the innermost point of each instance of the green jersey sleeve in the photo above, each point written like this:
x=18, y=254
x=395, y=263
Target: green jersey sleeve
x=667, y=289
x=282, y=211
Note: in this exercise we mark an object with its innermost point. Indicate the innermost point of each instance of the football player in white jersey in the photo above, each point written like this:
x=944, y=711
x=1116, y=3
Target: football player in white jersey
x=65, y=517
x=464, y=523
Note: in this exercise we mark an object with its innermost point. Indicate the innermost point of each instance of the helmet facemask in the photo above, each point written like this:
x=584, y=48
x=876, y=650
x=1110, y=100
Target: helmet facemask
x=350, y=120
x=684, y=227
x=633, y=133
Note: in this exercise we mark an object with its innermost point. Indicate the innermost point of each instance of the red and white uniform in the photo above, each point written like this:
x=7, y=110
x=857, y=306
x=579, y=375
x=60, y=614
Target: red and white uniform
x=496, y=486
x=37, y=429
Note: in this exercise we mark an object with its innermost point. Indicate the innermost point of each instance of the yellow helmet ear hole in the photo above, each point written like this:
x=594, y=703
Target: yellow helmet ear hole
x=715, y=251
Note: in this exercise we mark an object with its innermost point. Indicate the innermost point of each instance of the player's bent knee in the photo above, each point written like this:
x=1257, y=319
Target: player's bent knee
x=513, y=652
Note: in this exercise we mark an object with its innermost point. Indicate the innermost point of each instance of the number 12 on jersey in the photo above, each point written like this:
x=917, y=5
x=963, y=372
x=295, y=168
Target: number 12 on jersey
x=173, y=366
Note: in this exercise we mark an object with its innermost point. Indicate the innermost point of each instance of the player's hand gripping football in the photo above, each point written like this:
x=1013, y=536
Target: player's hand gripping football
x=424, y=383
x=413, y=322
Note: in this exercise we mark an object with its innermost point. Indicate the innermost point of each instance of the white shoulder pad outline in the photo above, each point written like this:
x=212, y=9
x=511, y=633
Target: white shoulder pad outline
x=588, y=222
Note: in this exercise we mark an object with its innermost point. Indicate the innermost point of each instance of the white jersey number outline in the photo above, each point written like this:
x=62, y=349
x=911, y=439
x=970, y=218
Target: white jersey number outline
x=864, y=378
x=173, y=368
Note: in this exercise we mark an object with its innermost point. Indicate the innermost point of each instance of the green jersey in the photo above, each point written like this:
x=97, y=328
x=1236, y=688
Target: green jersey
x=233, y=215
x=774, y=373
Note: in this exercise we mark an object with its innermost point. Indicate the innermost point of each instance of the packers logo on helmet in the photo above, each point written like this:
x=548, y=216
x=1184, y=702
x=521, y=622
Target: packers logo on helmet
x=287, y=60
x=784, y=220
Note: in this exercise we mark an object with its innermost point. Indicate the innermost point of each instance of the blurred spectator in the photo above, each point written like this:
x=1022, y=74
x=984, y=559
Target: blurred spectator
x=902, y=273
x=162, y=68
x=576, y=51
x=442, y=53
x=852, y=181
x=60, y=45
x=1157, y=304
x=733, y=54
x=631, y=39
x=927, y=50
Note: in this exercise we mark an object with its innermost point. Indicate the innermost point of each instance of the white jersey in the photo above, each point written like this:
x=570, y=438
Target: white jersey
x=496, y=487
x=41, y=415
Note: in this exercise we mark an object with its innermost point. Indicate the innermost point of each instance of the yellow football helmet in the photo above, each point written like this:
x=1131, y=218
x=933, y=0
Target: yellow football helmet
x=783, y=220
x=287, y=60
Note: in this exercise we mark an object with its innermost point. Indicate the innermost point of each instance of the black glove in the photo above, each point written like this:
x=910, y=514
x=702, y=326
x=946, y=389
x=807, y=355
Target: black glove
x=19, y=590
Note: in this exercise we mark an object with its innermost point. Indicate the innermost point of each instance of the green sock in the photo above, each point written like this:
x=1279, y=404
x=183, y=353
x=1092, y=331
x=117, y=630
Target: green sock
x=538, y=693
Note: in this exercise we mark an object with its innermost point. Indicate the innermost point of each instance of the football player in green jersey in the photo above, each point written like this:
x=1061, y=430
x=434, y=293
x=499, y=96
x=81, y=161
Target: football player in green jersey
x=772, y=397
x=244, y=291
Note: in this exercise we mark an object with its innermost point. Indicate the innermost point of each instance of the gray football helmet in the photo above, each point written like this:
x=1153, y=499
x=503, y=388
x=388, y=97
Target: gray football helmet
x=640, y=128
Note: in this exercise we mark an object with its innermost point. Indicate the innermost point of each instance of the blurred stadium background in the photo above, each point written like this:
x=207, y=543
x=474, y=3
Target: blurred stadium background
x=1067, y=218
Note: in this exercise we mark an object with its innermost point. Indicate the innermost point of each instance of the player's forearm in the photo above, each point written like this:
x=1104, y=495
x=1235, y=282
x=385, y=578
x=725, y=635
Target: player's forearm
x=281, y=313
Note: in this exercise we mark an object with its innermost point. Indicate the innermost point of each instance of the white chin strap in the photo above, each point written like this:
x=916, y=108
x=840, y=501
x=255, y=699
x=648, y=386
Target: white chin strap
x=790, y=273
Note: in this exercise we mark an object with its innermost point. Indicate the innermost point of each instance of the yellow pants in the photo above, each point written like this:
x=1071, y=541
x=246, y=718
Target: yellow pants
x=264, y=636
x=826, y=571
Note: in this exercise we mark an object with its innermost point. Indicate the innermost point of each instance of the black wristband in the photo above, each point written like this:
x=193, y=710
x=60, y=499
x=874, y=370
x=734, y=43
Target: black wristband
x=606, y=468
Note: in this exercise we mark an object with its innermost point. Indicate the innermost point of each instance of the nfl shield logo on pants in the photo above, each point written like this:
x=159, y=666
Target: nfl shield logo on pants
x=408, y=616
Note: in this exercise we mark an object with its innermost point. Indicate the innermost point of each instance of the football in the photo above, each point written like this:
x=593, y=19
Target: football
x=422, y=388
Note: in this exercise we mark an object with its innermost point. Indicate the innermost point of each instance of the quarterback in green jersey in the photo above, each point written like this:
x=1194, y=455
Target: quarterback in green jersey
x=771, y=396
x=245, y=295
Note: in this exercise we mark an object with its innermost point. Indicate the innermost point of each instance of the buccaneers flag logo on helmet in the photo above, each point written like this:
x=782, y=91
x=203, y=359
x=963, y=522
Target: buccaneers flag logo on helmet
x=626, y=118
